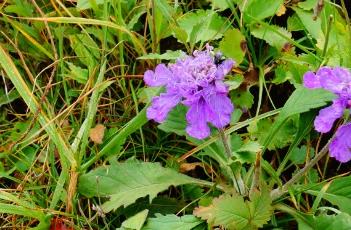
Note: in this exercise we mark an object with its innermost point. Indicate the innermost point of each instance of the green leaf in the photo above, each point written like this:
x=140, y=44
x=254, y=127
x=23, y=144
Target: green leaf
x=77, y=73
x=294, y=23
x=87, y=4
x=260, y=10
x=242, y=98
x=312, y=26
x=232, y=212
x=340, y=221
x=125, y=182
x=230, y=45
x=136, y=221
x=303, y=100
x=272, y=38
x=202, y=26
x=160, y=222
x=338, y=193
x=221, y=4
x=284, y=136
x=234, y=81
x=169, y=55
x=298, y=155
x=175, y=121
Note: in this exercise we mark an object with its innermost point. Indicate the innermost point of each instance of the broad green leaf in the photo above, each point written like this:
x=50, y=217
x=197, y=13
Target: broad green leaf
x=260, y=10
x=340, y=221
x=308, y=4
x=234, y=81
x=232, y=212
x=312, y=26
x=338, y=193
x=168, y=55
x=294, y=23
x=242, y=98
x=175, y=121
x=272, y=38
x=284, y=136
x=222, y=4
x=298, y=155
x=231, y=45
x=137, y=221
x=303, y=100
x=203, y=26
x=125, y=182
x=160, y=222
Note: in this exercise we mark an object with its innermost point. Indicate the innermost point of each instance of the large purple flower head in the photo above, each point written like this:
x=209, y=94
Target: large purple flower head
x=338, y=81
x=197, y=82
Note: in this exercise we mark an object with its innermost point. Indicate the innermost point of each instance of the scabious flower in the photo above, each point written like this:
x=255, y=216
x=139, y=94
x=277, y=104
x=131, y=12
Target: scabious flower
x=338, y=81
x=197, y=82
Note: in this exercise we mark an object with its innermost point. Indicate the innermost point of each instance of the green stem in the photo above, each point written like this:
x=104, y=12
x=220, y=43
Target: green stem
x=276, y=193
x=237, y=179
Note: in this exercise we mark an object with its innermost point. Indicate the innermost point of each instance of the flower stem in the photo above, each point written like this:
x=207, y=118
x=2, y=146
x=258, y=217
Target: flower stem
x=237, y=179
x=278, y=192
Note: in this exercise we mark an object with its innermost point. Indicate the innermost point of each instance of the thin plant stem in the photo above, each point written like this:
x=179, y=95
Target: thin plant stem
x=276, y=193
x=237, y=180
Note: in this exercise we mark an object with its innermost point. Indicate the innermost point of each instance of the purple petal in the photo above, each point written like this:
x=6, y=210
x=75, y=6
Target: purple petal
x=340, y=147
x=224, y=68
x=220, y=109
x=196, y=117
x=343, y=73
x=160, y=77
x=326, y=117
x=161, y=106
x=310, y=80
x=329, y=80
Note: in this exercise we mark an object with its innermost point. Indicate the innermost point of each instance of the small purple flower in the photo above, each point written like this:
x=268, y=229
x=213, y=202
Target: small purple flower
x=338, y=81
x=197, y=82
x=340, y=147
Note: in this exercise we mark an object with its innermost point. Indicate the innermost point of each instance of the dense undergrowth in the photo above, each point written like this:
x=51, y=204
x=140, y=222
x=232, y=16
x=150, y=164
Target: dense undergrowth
x=78, y=152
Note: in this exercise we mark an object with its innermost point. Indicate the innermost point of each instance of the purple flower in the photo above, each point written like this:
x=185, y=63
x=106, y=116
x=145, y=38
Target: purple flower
x=340, y=147
x=197, y=82
x=338, y=81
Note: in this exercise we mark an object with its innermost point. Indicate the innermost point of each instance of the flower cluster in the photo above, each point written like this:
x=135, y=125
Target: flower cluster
x=197, y=82
x=338, y=81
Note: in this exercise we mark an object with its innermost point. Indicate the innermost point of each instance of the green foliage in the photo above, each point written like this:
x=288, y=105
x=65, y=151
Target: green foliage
x=338, y=193
x=160, y=222
x=232, y=212
x=272, y=35
x=258, y=10
x=124, y=183
x=231, y=45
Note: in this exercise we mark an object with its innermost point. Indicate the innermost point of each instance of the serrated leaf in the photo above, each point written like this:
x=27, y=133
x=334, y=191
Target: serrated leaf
x=259, y=9
x=125, y=182
x=232, y=212
x=294, y=23
x=242, y=98
x=87, y=4
x=230, y=45
x=271, y=37
x=160, y=222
